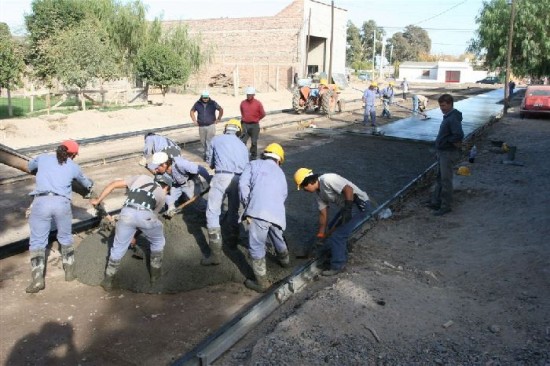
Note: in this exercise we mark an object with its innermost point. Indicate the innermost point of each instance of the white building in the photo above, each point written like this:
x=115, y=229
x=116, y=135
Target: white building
x=440, y=72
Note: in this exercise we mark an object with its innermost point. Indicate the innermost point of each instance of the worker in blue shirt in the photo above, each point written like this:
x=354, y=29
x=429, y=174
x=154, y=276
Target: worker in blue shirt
x=52, y=201
x=263, y=191
x=228, y=156
x=146, y=195
x=369, y=98
x=187, y=180
x=387, y=99
x=155, y=143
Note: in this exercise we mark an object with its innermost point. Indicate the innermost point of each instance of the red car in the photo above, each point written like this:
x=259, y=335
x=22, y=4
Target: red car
x=536, y=101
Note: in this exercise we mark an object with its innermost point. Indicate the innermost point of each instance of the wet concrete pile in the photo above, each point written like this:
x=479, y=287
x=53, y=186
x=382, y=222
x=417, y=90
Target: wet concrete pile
x=384, y=167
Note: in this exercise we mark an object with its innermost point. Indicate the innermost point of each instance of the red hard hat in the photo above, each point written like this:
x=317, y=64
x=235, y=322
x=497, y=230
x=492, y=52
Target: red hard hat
x=72, y=146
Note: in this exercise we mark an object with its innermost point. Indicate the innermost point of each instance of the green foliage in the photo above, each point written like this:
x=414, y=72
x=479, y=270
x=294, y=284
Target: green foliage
x=161, y=66
x=11, y=60
x=82, y=53
x=411, y=44
x=360, y=41
x=530, y=42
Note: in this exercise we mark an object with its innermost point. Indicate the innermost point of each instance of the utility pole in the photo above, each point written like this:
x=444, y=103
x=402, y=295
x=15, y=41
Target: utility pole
x=509, y=56
x=307, y=42
x=373, y=52
x=382, y=52
x=331, y=42
x=391, y=53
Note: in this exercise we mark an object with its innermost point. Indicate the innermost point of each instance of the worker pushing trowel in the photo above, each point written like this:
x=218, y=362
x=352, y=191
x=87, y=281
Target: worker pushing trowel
x=420, y=103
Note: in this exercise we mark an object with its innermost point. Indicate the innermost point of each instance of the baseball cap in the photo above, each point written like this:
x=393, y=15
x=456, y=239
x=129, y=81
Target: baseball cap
x=205, y=94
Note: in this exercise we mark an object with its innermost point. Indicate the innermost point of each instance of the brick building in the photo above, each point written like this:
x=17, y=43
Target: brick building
x=265, y=52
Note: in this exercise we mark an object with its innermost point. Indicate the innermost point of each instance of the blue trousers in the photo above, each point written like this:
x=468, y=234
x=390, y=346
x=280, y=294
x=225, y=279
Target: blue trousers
x=370, y=110
x=129, y=221
x=190, y=189
x=338, y=240
x=386, y=110
x=44, y=210
x=223, y=185
x=259, y=232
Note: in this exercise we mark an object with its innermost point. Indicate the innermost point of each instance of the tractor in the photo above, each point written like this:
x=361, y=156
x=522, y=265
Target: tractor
x=322, y=98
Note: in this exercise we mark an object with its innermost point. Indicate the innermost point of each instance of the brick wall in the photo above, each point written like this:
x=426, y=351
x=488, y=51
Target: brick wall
x=264, y=51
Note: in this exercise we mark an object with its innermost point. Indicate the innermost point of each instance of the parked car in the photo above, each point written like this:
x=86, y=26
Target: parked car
x=364, y=77
x=489, y=80
x=536, y=101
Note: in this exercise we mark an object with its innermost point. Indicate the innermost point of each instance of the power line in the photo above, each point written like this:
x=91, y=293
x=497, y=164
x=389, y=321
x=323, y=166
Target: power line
x=443, y=12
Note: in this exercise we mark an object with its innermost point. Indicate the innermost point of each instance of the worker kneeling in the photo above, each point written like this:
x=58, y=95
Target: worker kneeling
x=354, y=205
x=146, y=197
x=263, y=191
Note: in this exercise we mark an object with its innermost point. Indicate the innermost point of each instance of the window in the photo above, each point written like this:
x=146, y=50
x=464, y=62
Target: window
x=426, y=73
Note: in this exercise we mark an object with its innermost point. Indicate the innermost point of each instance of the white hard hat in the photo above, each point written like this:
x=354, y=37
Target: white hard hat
x=159, y=158
x=205, y=94
x=250, y=90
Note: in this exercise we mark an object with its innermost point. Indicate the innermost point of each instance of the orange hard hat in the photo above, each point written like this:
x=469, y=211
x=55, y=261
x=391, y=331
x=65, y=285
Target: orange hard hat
x=71, y=145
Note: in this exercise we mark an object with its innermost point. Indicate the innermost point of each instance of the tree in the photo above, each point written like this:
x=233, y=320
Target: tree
x=82, y=54
x=11, y=63
x=410, y=44
x=367, y=31
x=530, y=43
x=355, y=52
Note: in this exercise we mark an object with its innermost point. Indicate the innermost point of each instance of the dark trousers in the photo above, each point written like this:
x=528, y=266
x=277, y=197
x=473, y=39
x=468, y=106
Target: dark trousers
x=251, y=130
x=443, y=192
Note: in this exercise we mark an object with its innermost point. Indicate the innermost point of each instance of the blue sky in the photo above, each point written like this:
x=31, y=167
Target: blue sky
x=450, y=23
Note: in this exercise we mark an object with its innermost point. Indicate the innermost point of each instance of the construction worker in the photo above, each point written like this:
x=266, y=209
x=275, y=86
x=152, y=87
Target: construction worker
x=205, y=109
x=387, y=99
x=252, y=112
x=448, y=144
x=405, y=88
x=228, y=156
x=155, y=143
x=354, y=207
x=263, y=191
x=146, y=197
x=52, y=201
x=186, y=176
x=369, y=98
x=420, y=103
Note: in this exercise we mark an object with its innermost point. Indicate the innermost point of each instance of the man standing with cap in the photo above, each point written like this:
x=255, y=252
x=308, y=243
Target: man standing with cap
x=263, y=191
x=145, y=199
x=252, y=112
x=228, y=157
x=52, y=201
x=205, y=109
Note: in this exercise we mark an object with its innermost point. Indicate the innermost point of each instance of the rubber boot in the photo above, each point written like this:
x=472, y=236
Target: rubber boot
x=38, y=260
x=112, y=268
x=260, y=271
x=67, y=252
x=156, y=266
x=284, y=259
x=215, y=244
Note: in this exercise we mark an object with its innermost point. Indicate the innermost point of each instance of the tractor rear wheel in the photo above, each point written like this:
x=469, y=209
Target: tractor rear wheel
x=325, y=102
x=296, y=96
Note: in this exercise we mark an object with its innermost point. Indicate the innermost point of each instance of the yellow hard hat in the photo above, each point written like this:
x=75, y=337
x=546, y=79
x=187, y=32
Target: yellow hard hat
x=392, y=83
x=463, y=170
x=277, y=150
x=300, y=175
x=374, y=83
x=233, y=124
x=323, y=82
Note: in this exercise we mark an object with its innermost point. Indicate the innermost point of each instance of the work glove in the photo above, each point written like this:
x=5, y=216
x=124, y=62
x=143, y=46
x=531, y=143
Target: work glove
x=90, y=191
x=346, y=212
x=143, y=161
x=171, y=212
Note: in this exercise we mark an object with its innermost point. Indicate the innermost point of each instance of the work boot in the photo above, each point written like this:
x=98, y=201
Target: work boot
x=331, y=272
x=112, y=268
x=156, y=266
x=284, y=259
x=38, y=260
x=137, y=252
x=215, y=244
x=67, y=253
x=260, y=272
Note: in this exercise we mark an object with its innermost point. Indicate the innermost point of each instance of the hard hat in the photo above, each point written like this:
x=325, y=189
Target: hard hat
x=392, y=83
x=164, y=179
x=374, y=83
x=301, y=174
x=250, y=90
x=233, y=125
x=159, y=158
x=463, y=170
x=275, y=150
x=323, y=82
x=71, y=145
x=205, y=94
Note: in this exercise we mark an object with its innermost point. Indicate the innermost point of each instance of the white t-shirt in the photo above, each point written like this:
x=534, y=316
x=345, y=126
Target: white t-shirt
x=331, y=186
